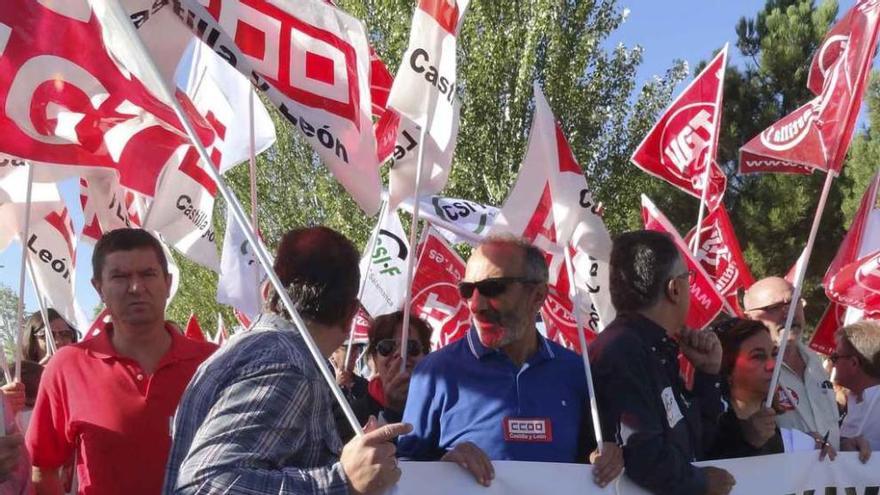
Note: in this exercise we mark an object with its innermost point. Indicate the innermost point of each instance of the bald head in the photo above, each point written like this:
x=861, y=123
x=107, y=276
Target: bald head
x=767, y=301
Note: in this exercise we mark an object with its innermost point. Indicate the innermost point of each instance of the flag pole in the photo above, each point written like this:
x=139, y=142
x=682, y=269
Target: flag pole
x=3, y=362
x=24, y=239
x=252, y=176
x=112, y=8
x=798, y=286
x=576, y=299
x=703, y=195
x=371, y=245
x=51, y=348
x=410, y=265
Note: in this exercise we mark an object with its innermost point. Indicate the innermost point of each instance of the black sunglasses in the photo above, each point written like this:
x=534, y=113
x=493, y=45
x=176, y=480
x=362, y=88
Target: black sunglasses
x=386, y=347
x=490, y=287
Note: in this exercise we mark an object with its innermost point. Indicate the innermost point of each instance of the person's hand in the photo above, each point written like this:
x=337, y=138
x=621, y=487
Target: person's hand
x=825, y=448
x=608, y=464
x=859, y=444
x=760, y=427
x=397, y=388
x=368, y=460
x=474, y=460
x=14, y=393
x=10, y=454
x=344, y=378
x=702, y=349
x=718, y=481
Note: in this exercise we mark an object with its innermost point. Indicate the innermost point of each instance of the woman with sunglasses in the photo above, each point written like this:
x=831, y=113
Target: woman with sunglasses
x=388, y=385
x=35, y=348
x=747, y=428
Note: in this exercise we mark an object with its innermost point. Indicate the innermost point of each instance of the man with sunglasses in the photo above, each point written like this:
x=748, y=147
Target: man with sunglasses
x=503, y=392
x=641, y=396
x=805, y=394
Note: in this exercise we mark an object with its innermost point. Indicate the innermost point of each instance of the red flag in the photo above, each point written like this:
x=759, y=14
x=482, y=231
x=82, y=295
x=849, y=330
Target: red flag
x=720, y=254
x=823, y=337
x=863, y=235
x=858, y=285
x=706, y=302
x=361, y=324
x=194, y=330
x=242, y=319
x=817, y=135
x=685, y=138
x=435, y=291
x=792, y=272
x=66, y=101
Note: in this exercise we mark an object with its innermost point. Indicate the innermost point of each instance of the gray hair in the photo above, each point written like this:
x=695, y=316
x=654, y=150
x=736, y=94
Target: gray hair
x=864, y=337
x=534, y=263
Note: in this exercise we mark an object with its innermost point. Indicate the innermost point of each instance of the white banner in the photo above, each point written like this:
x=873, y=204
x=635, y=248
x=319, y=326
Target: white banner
x=780, y=474
x=384, y=268
x=240, y=273
x=51, y=250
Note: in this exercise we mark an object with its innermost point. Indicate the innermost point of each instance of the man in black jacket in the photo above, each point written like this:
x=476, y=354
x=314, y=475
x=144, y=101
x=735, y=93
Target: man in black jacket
x=635, y=366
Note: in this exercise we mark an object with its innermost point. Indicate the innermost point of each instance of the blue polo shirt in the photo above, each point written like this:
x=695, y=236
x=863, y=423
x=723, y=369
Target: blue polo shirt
x=467, y=392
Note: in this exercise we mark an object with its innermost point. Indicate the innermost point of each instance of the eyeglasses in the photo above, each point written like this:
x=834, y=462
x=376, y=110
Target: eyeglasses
x=770, y=308
x=63, y=334
x=834, y=357
x=490, y=287
x=386, y=347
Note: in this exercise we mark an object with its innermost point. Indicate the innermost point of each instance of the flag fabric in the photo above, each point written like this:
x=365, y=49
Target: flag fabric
x=684, y=140
x=221, y=335
x=435, y=291
x=241, y=274
x=51, y=251
x=13, y=202
x=88, y=111
x=451, y=215
x=858, y=285
x=552, y=206
x=721, y=256
x=383, y=270
x=107, y=206
x=823, y=336
x=361, y=324
x=792, y=272
x=705, y=301
x=194, y=330
x=863, y=235
x=99, y=324
x=313, y=62
x=818, y=134
x=243, y=320
x=423, y=96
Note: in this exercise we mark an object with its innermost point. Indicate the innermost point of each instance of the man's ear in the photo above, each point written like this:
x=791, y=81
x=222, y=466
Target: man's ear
x=672, y=290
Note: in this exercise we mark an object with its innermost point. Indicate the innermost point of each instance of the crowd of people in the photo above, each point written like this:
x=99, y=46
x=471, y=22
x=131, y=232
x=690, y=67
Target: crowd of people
x=141, y=409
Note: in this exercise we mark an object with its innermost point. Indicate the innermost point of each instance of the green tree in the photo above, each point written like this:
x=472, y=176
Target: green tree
x=504, y=46
x=864, y=155
x=8, y=318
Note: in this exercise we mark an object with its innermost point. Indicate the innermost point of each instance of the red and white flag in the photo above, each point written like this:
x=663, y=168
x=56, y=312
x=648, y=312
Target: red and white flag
x=194, y=330
x=66, y=101
x=13, y=202
x=313, y=62
x=361, y=324
x=221, y=335
x=858, y=285
x=384, y=269
x=792, y=272
x=684, y=140
x=823, y=336
x=99, y=324
x=423, y=96
x=705, y=301
x=51, y=251
x=818, y=134
x=107, y=206
x=552, y=206
x=721, y=256
x=435, y=291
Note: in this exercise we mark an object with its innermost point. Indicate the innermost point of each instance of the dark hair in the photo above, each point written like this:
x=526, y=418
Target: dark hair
x=125, y=239
x=732, y=333
x=319, y=268
x=384, y=325
x=30, y=348
x=641, y=262
x=31, y=373
x=864, y=338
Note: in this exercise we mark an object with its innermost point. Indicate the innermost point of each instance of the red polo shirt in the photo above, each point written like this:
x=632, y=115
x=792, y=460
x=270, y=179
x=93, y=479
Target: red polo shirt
x=116, y=417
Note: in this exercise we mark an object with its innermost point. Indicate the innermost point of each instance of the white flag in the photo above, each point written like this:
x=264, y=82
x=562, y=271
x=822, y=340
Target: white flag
x=51, y=251
x=451, y=215
x=13, y=201
x=384, y=268
x=423, y=94
x=240, y=273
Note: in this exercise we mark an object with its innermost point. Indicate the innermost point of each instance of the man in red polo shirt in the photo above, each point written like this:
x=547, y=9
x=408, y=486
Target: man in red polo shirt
x=110, y=399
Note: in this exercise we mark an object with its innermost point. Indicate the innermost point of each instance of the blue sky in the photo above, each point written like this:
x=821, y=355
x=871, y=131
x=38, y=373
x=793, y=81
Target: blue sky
x=667, y=30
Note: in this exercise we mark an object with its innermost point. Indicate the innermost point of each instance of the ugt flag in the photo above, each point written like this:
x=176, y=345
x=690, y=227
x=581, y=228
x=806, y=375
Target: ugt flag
x=705, y=301
x=684, y=140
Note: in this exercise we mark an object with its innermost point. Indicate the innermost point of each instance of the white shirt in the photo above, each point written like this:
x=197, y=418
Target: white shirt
x=863, y=418
x=809, y=403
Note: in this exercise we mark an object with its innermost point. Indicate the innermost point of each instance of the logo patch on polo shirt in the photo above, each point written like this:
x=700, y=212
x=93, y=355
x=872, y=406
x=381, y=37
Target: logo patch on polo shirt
x=673, y=413
x=528, y=429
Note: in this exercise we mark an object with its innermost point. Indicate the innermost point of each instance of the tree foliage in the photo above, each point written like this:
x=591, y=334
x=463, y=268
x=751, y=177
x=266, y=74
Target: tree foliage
x=504, y=46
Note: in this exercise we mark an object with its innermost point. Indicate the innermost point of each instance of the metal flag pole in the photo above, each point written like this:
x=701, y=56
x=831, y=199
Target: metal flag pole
x=24, y=239
x=404, y=334
x=113, y=12
x=51, y=348
x=575, y=299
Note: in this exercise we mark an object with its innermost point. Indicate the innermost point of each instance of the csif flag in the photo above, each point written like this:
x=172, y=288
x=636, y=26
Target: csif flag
x=705, y=301
x=382, y=271
x=817, y=135
x=453, y=217
x=241, y=274
x=684, y=140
